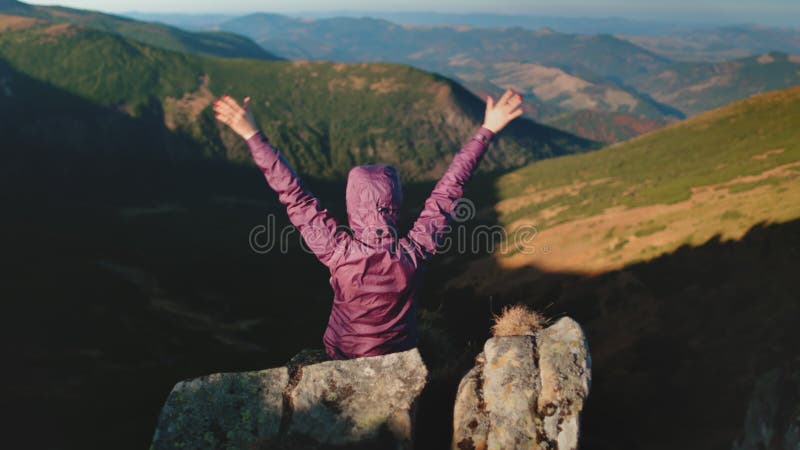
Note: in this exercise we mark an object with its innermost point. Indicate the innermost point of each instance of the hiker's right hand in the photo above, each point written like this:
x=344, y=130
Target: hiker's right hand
x=500, y=114
x=239, y=118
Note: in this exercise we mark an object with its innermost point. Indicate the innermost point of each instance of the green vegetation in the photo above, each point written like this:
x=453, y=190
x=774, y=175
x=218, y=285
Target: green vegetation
x=101, y=67
x=618, y=246
x=650, y=229
x=742, y=187
x=731, y=214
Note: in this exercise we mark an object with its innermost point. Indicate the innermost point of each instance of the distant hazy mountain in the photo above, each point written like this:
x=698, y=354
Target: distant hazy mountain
x=361, y=39
x=578, y=25
x=193, y=22
x=698, y=41
x=717, y=44
x=159, y=35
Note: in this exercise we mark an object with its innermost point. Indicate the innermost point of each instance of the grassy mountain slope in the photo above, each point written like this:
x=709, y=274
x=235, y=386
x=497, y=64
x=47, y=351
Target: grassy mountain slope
x=159, y=35
x=325, y=116
x=718, y=173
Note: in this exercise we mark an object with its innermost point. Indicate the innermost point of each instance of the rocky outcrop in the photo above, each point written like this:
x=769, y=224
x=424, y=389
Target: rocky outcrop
x=361, y=403
x=525, y=392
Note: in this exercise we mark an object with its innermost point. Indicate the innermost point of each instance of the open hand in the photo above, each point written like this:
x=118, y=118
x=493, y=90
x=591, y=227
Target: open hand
x=239, y=118
x=500, y=114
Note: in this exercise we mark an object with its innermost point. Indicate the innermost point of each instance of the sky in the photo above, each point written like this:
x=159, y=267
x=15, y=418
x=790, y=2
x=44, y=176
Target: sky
x=763, y=11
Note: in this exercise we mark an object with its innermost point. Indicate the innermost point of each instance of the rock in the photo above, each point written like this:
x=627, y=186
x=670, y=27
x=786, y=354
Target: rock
x=773, y=414
x=565, y=371
x=511, y=386
x=361, y=403
x=223, y=410
x=470, y=419
x=367, y=399
x=525, y=391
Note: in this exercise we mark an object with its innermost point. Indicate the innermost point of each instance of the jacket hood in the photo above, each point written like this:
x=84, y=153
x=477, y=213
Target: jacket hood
x=373, y=198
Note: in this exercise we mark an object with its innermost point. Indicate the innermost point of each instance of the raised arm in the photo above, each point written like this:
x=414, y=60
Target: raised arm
x=429, y=228
x=318, y=227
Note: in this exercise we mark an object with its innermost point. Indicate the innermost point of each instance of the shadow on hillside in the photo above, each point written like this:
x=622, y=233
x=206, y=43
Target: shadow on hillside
x=128, y=270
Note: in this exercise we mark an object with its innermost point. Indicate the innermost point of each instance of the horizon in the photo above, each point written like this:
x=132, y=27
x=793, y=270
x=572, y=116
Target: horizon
x=773, y=12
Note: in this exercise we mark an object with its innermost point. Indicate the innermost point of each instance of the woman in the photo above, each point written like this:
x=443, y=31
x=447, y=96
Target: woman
x=375, y=275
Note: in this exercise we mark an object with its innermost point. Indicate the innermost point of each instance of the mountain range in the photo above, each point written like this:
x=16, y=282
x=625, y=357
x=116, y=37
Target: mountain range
x=694, y=87
x=665, y=27
x=639, y=77
x=559, y=72
x=720, y=43
x=326, y=116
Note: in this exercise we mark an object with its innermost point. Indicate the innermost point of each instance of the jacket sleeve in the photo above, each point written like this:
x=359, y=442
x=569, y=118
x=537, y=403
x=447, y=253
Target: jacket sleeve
x=429, y=228
x=318, y=227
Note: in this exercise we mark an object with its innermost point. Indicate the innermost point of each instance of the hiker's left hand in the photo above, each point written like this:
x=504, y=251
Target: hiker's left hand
x=239, y=118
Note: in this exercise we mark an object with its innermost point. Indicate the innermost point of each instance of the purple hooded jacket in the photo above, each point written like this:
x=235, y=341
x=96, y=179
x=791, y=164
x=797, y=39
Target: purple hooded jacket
x=375, y=274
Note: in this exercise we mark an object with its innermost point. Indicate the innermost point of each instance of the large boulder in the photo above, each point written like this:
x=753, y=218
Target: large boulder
x=360, y=403
x=525, y=392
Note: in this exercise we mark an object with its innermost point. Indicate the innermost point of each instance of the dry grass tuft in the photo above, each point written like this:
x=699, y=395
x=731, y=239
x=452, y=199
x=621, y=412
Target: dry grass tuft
x=518, y=320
